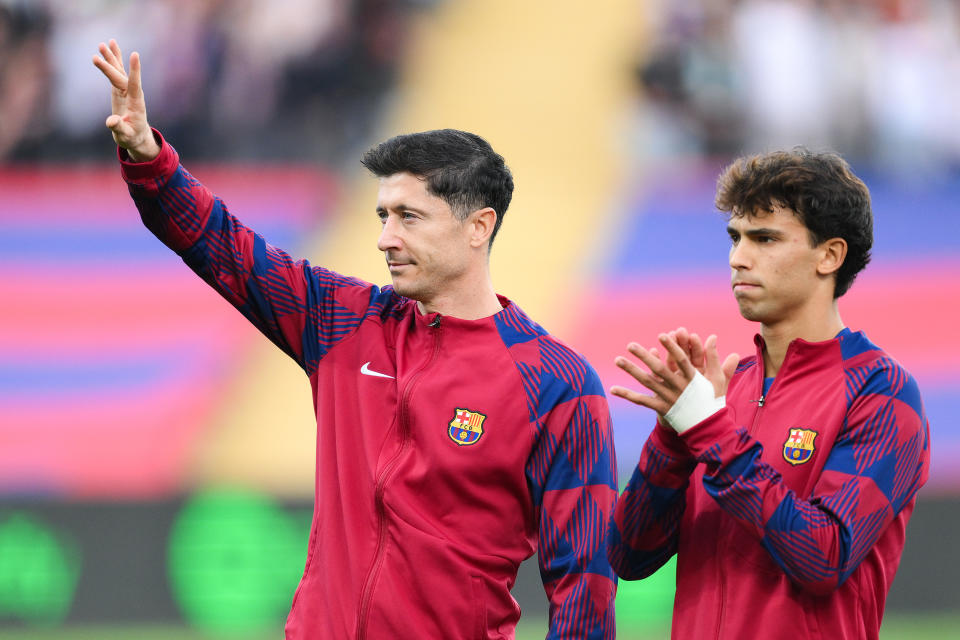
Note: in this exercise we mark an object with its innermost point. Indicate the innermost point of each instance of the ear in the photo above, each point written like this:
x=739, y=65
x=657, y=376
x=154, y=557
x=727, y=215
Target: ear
x=833, y=253
x=481, y=223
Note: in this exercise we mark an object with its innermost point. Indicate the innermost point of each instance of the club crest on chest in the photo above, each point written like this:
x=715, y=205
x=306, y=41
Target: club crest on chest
x=799, y=445
x=466, y=428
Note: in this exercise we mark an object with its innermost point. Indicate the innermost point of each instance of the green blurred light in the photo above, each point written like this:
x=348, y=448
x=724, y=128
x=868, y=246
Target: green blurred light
x=234, y=561
x=646, y=605
x=39, y=568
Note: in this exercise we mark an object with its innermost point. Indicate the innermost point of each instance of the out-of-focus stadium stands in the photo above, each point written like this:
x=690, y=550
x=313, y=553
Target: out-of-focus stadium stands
x=150, y=438
x=250, y=79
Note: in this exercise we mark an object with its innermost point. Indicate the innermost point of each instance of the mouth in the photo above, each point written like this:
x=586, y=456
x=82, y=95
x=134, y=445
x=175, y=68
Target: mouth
x=395, y=267
x=742, y=287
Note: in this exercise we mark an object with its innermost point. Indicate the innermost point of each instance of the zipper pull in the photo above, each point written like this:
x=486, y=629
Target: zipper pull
x=759, y=401
x=435, y=322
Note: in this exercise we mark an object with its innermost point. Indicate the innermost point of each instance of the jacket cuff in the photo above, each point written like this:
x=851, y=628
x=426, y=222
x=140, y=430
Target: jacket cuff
x=666, y=439
x=708, y=433
x=143, y=173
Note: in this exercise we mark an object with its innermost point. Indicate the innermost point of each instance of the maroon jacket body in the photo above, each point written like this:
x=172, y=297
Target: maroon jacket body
x=448, y=450
x=787, y=509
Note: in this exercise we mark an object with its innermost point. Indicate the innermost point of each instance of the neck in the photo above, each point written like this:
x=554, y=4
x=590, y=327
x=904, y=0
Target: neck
x=477, y=302
x=778, y=336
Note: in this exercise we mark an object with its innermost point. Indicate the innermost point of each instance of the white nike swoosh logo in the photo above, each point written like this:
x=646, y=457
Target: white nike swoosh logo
x=367, y=371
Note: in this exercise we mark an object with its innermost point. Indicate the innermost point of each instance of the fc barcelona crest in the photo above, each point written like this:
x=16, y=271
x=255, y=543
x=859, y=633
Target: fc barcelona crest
x=799, y=446
x=466, y=426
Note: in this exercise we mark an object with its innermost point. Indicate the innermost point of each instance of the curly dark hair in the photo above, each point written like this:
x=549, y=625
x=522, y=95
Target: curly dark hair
x=820, y=189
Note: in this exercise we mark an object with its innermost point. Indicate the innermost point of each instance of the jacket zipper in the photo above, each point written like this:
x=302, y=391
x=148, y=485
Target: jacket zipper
x=763, y=396
x=374, y=573
x=753, y=429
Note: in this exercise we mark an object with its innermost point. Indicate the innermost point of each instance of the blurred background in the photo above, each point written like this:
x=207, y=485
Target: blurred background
x=156, y=453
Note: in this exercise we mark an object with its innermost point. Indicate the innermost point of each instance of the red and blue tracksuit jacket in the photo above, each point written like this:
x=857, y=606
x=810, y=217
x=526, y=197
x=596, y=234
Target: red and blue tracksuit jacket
x=448, y=450
x=787, y=510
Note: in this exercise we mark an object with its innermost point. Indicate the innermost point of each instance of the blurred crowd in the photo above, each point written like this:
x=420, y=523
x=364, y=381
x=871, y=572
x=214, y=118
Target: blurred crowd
x=877, y=80
x=224, y=79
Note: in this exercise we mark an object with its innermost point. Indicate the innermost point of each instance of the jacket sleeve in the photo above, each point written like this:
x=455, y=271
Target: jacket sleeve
x=576, y=461
x=875, y=467
x=643, y=530
x=302, y=309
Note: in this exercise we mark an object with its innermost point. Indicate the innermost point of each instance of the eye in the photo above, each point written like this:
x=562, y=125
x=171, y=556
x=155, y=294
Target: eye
x=408, y=216
x=764, y=239
x=734, y=238
x=382, y=215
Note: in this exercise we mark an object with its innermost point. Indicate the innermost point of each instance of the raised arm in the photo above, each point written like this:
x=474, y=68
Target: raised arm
x=128, y=122
x=304, y=310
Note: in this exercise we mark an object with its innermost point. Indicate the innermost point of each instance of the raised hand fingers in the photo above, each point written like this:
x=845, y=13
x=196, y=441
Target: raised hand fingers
x=115, y=74
x=112, y=54
x=134, y=89
x=679, y=356
x=719, y=374
x=729, y=365
x=653, y=379
x=666, y=384
x=695, y=352
x=651, y=402
x=682, y=337
x=108, y=52
x=691, y=344
x=663, y=376
x=115, y=50
x=713, y=358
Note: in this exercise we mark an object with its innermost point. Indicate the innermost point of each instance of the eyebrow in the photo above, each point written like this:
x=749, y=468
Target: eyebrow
x=753, y=233
x=401, y=207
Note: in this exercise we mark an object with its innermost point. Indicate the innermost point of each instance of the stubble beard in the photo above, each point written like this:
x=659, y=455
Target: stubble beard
x=405, y=290
x=750, y=311
x=417, y=290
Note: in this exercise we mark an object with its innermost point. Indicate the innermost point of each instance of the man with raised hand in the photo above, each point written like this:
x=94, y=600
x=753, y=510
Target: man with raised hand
x=783, y=483
x=455, y=437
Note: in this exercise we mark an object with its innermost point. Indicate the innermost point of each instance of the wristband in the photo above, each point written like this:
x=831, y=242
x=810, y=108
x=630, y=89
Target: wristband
x=695, y=404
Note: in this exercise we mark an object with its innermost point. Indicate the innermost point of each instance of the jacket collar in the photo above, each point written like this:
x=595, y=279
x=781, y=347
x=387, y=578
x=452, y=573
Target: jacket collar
x=807, y=351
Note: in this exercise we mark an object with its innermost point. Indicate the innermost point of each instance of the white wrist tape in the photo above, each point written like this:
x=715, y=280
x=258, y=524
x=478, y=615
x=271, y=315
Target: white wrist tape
x=695, y=404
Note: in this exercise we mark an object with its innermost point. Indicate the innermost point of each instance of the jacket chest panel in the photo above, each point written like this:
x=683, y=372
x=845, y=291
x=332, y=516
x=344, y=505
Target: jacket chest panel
x=356, y=399
x=797, y=425
x=433, y=419
x=466, y=436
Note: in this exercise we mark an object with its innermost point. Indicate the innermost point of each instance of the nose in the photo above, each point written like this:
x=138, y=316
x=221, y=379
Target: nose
x=389, y=237
x=739, y=256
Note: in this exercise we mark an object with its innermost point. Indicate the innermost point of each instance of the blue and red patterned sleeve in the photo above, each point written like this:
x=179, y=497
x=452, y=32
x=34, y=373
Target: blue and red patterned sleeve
x=874, y=470
x=304, y=310
x=573, y=478
x=643, y=530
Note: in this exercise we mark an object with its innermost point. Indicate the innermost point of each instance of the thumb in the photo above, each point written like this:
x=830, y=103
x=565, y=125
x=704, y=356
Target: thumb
x=730, y=365
x=710, y=351
x=123, y=134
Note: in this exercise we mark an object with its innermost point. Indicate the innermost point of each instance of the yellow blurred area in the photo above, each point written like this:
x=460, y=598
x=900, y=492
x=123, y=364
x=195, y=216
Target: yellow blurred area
x=546, y=82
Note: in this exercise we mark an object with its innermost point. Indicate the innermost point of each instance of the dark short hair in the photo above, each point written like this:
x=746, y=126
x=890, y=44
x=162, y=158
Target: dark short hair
x=460, y=167
x=820, y=189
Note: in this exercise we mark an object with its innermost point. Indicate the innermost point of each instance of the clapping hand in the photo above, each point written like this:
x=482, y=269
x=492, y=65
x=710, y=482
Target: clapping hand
x=686, y=356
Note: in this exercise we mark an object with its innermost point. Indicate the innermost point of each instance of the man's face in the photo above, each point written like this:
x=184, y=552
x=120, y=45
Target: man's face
x=773, y=265
x=426, y=246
